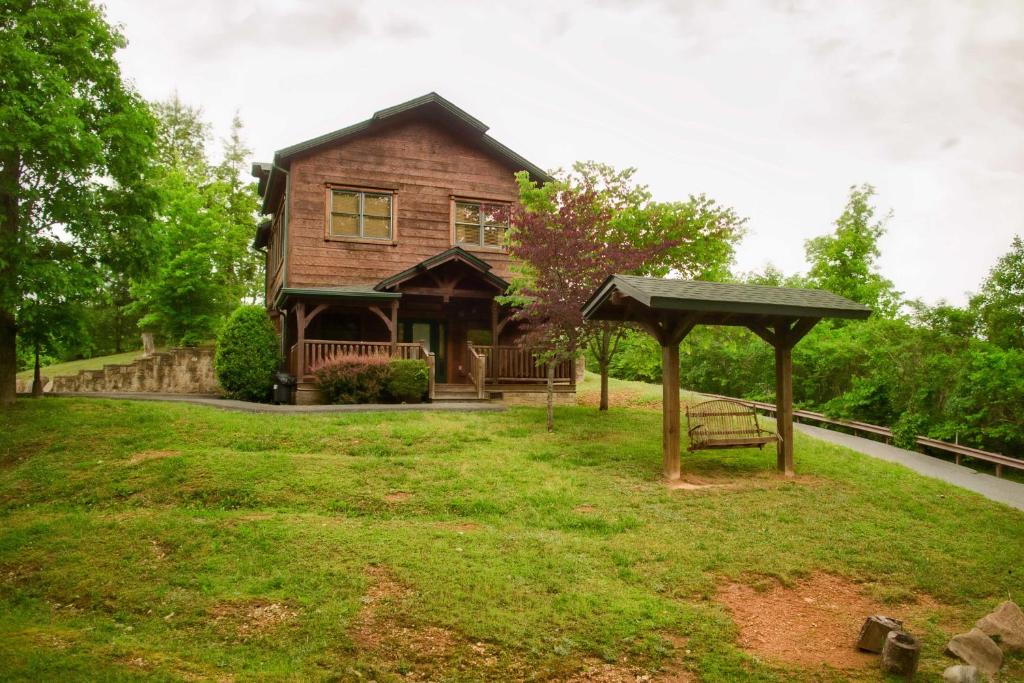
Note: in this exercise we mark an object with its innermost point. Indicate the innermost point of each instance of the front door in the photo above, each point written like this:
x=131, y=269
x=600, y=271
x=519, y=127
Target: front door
x=432, y=334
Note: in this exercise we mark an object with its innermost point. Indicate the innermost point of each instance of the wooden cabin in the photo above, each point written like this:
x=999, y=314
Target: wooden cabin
x=384, y=238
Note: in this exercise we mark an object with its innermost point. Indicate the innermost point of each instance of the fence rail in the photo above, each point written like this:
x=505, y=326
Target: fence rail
x=521, y=364
x=958, y=451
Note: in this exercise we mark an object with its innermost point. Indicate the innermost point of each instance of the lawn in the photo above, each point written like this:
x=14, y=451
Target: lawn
x=175, y=542
x=73, y=366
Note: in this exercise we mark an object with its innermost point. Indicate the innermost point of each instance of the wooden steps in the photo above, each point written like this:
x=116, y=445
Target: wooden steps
x=462, y=393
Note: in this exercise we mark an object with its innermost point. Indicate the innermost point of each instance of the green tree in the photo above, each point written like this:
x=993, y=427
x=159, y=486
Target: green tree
x=1000, y=304
x=75, y=144
x=844, y=262
x=205, y=265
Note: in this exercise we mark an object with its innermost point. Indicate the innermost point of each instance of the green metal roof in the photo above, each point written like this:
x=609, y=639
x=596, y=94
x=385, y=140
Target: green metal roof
x=348, y=291
x=720, y=297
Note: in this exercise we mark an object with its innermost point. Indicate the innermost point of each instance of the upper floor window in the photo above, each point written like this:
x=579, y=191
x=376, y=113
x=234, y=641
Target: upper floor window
x=480, y=224
x=362, y=215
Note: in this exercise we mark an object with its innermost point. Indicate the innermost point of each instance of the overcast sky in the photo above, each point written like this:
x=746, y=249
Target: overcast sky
x=772, y=107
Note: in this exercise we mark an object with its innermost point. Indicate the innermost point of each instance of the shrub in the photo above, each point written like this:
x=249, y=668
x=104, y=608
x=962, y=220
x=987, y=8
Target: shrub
x=408, y=380
x=349, y=378
x=247, y=354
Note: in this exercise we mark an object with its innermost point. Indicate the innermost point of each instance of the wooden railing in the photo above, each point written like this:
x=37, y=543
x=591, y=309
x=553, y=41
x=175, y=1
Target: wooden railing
x=317, y=351
x=521, y=364
x=959, y=451
x=477, y=370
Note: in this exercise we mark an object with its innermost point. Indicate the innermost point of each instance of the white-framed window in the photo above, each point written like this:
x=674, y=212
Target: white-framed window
x=358, y=214
x=480, y=224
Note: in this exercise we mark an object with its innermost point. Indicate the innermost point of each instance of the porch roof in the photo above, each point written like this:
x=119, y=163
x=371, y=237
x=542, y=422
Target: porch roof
x=452, y=254
x=344, y=292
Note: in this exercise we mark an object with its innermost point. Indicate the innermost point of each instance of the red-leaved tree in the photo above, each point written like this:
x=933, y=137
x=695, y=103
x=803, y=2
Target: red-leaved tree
x=566, y=244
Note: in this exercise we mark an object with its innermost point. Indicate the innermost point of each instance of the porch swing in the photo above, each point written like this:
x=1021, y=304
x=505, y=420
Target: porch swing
x=721, y=423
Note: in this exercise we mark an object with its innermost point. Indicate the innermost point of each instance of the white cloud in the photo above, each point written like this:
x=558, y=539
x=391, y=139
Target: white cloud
x=773, y=107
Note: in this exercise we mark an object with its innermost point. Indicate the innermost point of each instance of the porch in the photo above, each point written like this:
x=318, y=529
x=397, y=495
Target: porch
x=444, y=311
x=490, y=370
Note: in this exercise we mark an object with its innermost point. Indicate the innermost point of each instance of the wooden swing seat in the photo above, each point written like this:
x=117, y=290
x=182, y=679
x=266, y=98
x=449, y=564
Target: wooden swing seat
x=719, y=423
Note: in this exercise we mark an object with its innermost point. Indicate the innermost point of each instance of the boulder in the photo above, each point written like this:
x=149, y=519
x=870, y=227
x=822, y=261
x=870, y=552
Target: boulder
x=1005, y=625
x=874, y=631
x=961, y=673
x=977, y=649
x=900, y=654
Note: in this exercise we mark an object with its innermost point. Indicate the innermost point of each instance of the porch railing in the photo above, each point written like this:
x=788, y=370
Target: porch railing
x=477, y=370
x=510, y=364
x=317, y=351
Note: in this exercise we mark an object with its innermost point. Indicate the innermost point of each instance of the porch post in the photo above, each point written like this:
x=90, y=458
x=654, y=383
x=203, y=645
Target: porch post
x=495, y=333
x=300, y=340
x=784, y=399
x=394, y=327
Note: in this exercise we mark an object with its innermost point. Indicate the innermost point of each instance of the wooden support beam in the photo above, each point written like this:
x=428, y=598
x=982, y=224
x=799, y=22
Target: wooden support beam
x=784, y=398
x=800, y=329
x=762, y=332
x=394, y=327
x=670, y=411
x=383, y=316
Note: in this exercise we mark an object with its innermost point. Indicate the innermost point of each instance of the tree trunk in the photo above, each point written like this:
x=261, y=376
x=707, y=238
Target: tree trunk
x=9, y=183
x=604, y=387
x=551, y=396
x=37, y=377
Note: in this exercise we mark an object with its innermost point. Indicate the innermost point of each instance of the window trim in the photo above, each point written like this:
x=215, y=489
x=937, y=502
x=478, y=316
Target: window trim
x=475, y=246
x=362, y=190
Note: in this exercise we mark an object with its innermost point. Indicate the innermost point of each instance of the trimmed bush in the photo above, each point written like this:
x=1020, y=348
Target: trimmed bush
x=408, y=380
x=247, y=354
x=349, y=378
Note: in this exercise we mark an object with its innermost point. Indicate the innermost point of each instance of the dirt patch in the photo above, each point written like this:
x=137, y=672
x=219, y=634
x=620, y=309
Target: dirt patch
x=674, y=671
x=143, y=456
x=585, y=509
x=397, y=496
x=247, y=619
x=159, y=549
x=381, y=630
x=739, y=481
x=813, y=622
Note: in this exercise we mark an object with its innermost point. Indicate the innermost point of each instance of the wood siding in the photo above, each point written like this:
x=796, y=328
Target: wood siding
x=424, y=164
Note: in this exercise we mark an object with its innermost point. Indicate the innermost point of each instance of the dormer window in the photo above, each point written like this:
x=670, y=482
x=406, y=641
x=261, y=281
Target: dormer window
x=355, y=214
x=480, y=224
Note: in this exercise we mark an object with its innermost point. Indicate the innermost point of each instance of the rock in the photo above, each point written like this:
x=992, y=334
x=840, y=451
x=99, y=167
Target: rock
x=900, y=654
x=1005, y=625
x=873, y=632
x=961, y=673
x=977, y=649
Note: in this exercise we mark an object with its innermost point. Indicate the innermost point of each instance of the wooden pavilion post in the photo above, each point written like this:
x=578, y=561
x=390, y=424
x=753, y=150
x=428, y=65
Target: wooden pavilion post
x=784, y=399
x=670, y=410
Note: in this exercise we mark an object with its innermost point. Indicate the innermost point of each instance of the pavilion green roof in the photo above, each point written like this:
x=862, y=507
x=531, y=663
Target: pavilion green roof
x=725, y=298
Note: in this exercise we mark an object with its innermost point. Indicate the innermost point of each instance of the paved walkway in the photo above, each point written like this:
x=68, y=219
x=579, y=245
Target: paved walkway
x=246, y=407
x=1001, y=490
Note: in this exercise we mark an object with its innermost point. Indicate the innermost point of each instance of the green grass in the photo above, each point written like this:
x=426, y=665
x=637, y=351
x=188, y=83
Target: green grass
x=72, y=367
x=116, y=567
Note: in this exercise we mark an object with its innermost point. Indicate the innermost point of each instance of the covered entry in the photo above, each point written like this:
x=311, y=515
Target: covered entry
x=670, y=309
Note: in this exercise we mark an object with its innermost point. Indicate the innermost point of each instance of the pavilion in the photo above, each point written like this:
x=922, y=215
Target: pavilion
x=670, y=309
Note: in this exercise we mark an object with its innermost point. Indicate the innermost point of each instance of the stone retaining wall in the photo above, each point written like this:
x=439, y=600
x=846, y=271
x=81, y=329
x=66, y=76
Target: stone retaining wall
x=176, y=371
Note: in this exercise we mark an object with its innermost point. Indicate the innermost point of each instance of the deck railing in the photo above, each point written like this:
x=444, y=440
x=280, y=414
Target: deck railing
x=509, y=364
x=318, y=351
